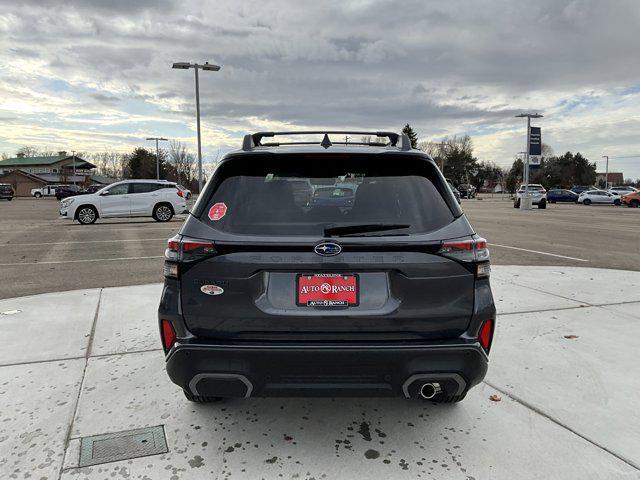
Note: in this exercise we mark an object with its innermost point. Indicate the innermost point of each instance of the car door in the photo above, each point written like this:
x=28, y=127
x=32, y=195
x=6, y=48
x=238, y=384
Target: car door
x=144, y=195
x=115, y=201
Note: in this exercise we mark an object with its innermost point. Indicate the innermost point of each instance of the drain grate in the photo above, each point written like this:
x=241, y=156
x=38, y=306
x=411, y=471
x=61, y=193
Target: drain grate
x=112, y=447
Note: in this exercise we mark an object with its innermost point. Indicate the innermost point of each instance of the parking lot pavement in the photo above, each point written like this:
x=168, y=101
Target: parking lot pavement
x=40, y=253
x=563, y=365
x=562, y=234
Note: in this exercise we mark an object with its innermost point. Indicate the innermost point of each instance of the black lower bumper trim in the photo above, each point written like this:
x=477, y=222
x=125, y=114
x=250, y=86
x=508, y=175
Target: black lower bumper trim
x=260, y=370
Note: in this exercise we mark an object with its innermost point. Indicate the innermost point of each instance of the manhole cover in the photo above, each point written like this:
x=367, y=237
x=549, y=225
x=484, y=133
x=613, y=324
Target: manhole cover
x=112, y=447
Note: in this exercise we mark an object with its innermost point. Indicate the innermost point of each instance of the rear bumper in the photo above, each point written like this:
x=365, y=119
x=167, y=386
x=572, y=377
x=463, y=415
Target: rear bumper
x=246, y=370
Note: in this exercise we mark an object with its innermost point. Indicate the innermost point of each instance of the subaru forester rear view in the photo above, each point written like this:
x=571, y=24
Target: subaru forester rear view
x=323, y=269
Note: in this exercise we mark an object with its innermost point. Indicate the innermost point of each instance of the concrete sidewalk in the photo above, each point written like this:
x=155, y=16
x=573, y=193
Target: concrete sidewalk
x=88, y=362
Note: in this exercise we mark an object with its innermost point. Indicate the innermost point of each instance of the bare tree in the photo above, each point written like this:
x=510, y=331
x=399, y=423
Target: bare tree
x=110, y=164
x=182, y=160
x=28, y=151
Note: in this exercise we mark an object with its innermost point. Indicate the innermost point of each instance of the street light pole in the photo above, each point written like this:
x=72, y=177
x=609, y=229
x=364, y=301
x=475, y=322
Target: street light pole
x=209, y=67
x=157, y=139
x=606, y=173
x=198, y=129
x=525, y=176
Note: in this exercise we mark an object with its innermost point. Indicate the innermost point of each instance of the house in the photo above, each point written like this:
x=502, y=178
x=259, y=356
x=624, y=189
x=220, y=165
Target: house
x=22, y=182
x=25, y=173
x=615, y=178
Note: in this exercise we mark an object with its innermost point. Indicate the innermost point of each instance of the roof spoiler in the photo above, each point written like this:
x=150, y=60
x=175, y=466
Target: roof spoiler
x=254, y=140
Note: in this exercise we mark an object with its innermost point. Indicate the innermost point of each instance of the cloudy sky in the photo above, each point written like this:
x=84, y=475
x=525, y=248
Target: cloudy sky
x=96, y=75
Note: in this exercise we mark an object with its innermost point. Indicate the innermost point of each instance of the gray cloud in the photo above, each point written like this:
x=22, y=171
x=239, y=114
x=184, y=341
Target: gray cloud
x=453, y=66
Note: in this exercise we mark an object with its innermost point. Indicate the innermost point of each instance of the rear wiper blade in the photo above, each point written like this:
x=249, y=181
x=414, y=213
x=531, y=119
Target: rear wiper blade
x=363, y=228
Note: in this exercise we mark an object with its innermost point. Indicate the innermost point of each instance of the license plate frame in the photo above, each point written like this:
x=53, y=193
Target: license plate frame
x=342, y=279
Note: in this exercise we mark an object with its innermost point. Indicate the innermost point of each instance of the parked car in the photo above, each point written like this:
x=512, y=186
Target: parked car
x=561, y=195
x=582, y=188
x=6, y=191
x=334, y=196
x=622, y=190
x=130, y=198
x=455, y=191
x=537, y=193
x=46, y=191
x=598, y=196
x=92, y=189
x=466, y=190
x=185, y=192
x=67, y=191
x=260, y=301
x=631, y=199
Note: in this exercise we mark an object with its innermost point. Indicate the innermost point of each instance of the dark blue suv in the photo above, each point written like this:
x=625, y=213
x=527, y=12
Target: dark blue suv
x=267, y=294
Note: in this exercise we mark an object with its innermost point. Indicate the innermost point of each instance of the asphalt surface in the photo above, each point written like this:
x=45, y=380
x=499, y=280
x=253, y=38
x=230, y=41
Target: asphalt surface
x=41, y=253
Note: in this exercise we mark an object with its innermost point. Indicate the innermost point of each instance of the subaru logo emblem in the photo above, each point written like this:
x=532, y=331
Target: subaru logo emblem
x=328, y=249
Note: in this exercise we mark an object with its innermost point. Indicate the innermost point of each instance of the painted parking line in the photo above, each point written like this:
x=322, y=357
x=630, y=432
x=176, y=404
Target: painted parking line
x=89, y=241
x=89, y=260
x=538, y=252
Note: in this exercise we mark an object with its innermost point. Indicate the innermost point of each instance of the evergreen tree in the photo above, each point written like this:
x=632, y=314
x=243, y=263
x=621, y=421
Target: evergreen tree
x=413, y=136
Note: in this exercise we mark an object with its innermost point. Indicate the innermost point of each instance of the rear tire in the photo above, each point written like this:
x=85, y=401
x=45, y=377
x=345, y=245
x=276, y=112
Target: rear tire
x=542, y=205
x=200, y=399
x=516, y=204
x=586, y=201
x=634, y=203
x=162, y=212
x=616, y=203
x=86, y=215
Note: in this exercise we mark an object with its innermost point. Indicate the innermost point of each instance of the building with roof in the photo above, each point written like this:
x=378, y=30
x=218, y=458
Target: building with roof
x=615, y=178
x=25, y=173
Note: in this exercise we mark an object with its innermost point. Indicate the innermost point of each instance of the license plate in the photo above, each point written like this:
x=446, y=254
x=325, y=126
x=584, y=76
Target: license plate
x=327, y=290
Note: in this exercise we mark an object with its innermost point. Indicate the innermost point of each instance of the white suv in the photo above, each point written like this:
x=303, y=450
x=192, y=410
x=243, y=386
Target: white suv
x=537, y=193
x=130, y=198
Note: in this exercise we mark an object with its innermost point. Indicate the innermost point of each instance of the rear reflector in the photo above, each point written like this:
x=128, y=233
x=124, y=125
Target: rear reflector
x=170, y=270
x=486, y=334
x=168, y=335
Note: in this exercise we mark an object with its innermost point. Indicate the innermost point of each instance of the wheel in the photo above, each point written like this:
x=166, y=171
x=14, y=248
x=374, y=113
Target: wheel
x=516, y=204
x=37, y=195
x=162, y=212
x=634, y=203
x=616, y=203
x=10, y=198
x=542, y=205
x=87, y=215
x=587, y=201
x=199, y=399
x=188, y=196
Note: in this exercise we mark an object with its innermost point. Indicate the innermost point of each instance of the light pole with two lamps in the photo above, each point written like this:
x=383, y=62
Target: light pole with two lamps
x=207, y=67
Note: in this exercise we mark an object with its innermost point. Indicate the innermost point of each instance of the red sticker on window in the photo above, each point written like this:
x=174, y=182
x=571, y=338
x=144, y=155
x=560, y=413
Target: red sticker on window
x=218, y=211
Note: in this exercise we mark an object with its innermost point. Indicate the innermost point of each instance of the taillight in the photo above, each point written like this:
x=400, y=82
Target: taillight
x=180, y=194
x=185, y=250
x=486, y=335
x=468, y=250
x=168, y=335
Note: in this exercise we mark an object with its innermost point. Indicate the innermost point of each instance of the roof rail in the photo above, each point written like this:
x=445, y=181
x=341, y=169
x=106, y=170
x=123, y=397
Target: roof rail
x=255, y=140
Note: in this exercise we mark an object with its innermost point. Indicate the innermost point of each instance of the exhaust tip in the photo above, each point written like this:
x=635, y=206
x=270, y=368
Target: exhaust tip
x=430, y=390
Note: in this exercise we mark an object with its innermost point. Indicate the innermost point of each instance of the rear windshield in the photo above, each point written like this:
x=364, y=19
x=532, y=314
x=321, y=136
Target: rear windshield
x=307, y=194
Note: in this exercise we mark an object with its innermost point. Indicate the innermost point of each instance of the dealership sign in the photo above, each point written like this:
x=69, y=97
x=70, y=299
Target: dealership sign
x=535, y=146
